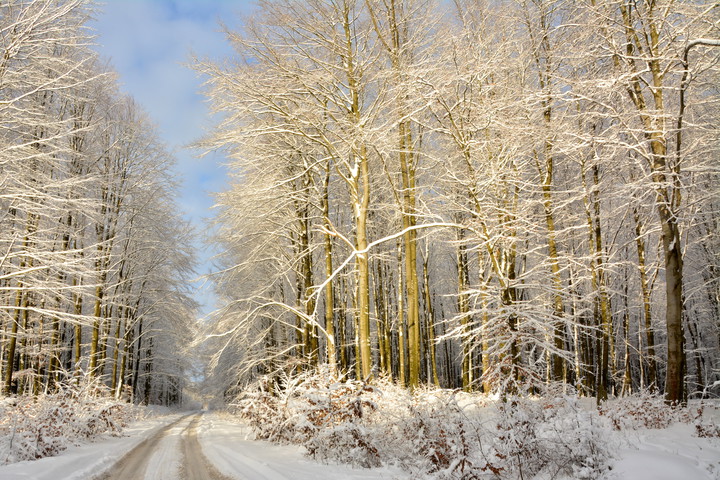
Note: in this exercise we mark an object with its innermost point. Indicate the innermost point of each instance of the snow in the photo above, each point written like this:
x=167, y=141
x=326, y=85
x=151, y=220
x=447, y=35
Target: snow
x=166, y=460
x=229, y=446
x=81, y=463
x=224, y=442
x=653, y=465
x=672, y=453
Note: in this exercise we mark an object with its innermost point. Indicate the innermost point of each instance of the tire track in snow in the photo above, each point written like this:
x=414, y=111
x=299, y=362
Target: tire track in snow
x=194, y=466
x=251, y=469
x=246, y=459
x=135, y=462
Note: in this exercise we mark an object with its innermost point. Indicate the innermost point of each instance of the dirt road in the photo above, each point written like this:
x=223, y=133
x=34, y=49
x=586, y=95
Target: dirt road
x=157, y=456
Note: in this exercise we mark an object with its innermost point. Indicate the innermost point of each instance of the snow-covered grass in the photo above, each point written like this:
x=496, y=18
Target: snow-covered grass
x=432, y=434
x=33, y=427
x=442, y=434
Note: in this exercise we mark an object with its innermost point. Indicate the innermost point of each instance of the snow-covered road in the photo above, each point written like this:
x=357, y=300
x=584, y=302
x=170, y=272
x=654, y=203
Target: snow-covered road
x=173, y=452
x=197, y=446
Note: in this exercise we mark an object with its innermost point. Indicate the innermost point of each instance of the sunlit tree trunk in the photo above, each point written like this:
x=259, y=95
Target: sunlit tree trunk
x=538, y=21
x=400, y=324
x=601, y=302
x=643, y=31
x=463, y=280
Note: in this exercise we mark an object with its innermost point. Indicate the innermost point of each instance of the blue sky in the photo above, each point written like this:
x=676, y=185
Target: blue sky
x=149, y=43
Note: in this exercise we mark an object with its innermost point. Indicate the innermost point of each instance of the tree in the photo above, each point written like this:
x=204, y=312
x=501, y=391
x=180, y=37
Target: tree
x=86, y=262
x=646, y=41
x=524, y=150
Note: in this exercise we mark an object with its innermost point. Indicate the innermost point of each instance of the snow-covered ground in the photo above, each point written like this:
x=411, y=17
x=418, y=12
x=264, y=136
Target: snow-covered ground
x=229, y=446
x=673, y=453
x=224, y=442
x=83, y=462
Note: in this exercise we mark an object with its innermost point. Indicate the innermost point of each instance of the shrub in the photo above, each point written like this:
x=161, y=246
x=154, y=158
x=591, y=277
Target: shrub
x=705, y=425
x=42, y=426
x=263, y=412
x=307, y=404
x=439, y=438
x=534, y=435
x=346, y=443
x=440, y=434
x=645, y=410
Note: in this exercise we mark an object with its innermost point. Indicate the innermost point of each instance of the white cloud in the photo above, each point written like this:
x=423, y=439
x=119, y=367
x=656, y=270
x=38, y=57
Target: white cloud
x=149, y=44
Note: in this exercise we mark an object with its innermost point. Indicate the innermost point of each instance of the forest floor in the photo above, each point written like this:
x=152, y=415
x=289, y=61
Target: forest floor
x=215, y=446
x=189, y=446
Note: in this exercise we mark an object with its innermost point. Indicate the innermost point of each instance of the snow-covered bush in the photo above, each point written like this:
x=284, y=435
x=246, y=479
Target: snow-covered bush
x=434, y=433
x=556, y=436
x=350, y=443
x=36, y=427
x=336, y=412
x=262, y=410
x=316, y=410
x=707, y=429
x=645, y=410
x=441, y=440
x=706, y=420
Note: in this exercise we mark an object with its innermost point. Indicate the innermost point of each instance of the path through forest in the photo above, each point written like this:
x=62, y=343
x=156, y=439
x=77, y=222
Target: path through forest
x=154, y=457
x=201, y=446
x=214, y=445
x=193, y=446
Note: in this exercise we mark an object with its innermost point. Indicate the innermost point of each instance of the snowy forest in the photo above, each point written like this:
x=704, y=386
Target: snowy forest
x=433, y=208
x=94, y=258
x=493, y=196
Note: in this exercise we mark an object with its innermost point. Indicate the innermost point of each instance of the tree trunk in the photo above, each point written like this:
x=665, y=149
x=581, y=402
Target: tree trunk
x=329, y=295
x=463, y=311
x=430, y=316
x=644, y=45
x=647, y=315
x=400, y=317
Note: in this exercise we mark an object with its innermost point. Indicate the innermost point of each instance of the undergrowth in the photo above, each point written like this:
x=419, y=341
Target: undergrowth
x=33, y=427
x=433, y=433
